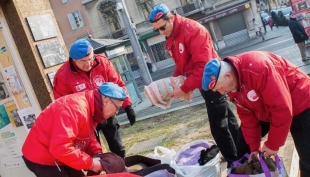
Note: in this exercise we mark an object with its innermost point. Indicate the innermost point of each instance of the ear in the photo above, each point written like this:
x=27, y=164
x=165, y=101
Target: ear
x=172, y=18
x=105, y=100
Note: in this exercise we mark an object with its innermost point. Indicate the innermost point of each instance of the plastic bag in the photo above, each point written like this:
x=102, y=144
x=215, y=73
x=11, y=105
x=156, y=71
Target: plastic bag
x=210, y=169
x=166, y=154
x=280, y=172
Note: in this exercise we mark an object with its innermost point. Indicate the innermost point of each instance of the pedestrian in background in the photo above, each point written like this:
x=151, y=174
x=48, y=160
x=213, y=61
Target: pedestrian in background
x=190, y=46
x=270, y=22
x=87, y=71
x=256, y=28
x=271, y=96
x=62, y=143
x=299, y=35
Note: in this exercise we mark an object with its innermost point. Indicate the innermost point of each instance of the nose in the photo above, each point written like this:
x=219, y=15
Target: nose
x=161, y=32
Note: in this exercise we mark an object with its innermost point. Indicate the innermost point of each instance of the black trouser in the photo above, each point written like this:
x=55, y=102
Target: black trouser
x=112, y=133
x=300, y=131
x=223, y=124
x=52, y=171
x=243, y=148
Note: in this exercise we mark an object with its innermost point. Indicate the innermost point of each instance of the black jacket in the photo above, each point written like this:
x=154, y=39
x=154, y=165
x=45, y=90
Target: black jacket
x=297, y=30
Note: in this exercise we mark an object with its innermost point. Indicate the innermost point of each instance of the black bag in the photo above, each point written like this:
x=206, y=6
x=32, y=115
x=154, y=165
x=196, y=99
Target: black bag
x=151, y=165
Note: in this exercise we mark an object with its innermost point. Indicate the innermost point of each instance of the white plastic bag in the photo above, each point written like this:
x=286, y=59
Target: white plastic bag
x=166, y=154
x=210, y=169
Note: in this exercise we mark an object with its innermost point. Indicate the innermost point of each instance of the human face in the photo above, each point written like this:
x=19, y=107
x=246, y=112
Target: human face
x=164, y=27
x=226, y=85
x=293, y=15
x=110, y=107
x=86, y=63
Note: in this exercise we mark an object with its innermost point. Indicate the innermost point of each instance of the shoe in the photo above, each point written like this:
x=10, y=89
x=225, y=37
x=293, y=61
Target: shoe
x=308, y=58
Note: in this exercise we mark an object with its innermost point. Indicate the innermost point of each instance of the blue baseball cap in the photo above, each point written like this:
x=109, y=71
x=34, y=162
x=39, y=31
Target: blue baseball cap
x=79, y=49
x=292, y=12
x=111, y=90
x=159, y=11
x=211, y=73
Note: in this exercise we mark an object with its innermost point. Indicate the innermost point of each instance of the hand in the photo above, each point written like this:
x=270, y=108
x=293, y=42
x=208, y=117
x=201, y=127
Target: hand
x=255, y=153
x=176, y=93
x=96, y=166
x=131, y=114
x=268, y=152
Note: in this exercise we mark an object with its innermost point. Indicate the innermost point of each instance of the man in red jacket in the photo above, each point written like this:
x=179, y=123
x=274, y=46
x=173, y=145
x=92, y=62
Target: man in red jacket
x=62, y=142
x=87, y=71
x=271, y=95
x=190, y=46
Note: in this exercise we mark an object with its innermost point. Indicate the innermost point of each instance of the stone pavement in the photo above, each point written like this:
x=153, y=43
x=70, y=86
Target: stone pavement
x=146, y=110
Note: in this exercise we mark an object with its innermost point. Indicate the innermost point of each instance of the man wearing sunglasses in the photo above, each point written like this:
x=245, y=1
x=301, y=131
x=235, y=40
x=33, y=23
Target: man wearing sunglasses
x=190, y=46
x=87, y=71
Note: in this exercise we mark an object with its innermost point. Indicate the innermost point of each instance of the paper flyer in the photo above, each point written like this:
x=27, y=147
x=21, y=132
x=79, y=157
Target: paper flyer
x=10, y=148
x=28, y=117
x=4, y=118
x=12, y=79
x=11, y=110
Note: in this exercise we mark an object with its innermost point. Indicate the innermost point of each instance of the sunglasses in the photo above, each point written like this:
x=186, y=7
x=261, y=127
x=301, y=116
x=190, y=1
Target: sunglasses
x=162, y=28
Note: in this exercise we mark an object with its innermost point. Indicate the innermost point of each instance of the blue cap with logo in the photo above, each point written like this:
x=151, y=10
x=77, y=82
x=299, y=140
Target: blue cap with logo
x=79, y=49
x=111, y=90
x=159, y=11
x=211, y=73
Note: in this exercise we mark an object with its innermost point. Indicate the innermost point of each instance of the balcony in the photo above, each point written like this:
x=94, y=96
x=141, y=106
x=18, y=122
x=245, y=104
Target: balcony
x=189, y=9
x=118, y=34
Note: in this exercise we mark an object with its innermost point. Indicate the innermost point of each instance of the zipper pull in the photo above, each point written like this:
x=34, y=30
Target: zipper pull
x=57, y=165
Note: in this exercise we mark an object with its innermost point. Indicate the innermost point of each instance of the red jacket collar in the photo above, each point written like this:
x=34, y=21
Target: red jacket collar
x=177, y=25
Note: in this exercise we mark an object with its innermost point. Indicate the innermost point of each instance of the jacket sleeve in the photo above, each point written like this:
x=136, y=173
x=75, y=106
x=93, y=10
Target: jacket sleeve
x=295, y=30
x=65, y=131
x=114, y=77
x=275, y=92
x=61, y=86
x=200, y=46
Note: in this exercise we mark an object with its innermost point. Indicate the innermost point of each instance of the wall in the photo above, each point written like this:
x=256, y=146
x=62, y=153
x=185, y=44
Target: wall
x=61, y=12
x=15, y=12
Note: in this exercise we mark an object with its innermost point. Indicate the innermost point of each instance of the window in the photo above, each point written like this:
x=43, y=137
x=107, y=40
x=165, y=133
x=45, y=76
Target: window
x=159, y=51
x=185, y=2
x=75, y=19
x=146, y=6
x=132, y=61
x=65, y=1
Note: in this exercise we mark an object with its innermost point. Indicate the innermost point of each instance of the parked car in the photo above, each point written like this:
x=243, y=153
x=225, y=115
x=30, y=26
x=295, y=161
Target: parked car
x=265, y=17
x=286, y=12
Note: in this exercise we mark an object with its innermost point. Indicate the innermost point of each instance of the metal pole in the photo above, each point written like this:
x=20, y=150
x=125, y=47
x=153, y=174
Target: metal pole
x=144, y=72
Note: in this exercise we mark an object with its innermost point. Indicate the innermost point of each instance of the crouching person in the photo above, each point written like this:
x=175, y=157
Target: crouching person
x=271, y=95
x=62, y=142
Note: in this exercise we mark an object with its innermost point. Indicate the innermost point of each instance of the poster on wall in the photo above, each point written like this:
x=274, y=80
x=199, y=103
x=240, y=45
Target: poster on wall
x=28, y=117
x=4, y=92
x=12, y=80
x=10, y=148
x=11, y=110
x=302, y=10
x=42, y=27
x=51, y=53
x=4, y=118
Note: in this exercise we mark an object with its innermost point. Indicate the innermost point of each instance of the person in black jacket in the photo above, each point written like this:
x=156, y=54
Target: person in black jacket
x=299, y=35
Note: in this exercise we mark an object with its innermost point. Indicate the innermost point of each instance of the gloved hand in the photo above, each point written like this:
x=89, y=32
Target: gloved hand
x=131, y=114
x=96, y=166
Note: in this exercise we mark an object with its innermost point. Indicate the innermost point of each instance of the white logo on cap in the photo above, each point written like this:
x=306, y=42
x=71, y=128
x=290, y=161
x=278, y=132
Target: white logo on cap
x=252, y=96
x=181, y=48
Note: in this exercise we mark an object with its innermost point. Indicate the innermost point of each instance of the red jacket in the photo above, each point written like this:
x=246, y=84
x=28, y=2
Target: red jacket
x=190, y=46
x=64, y=133
x=70, y=80
x=271, y=89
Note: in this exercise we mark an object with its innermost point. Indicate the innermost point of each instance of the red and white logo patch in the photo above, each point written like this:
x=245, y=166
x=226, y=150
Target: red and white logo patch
x=181, y=48
x=252, y=96
x=213, y=82
x=98, y=80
